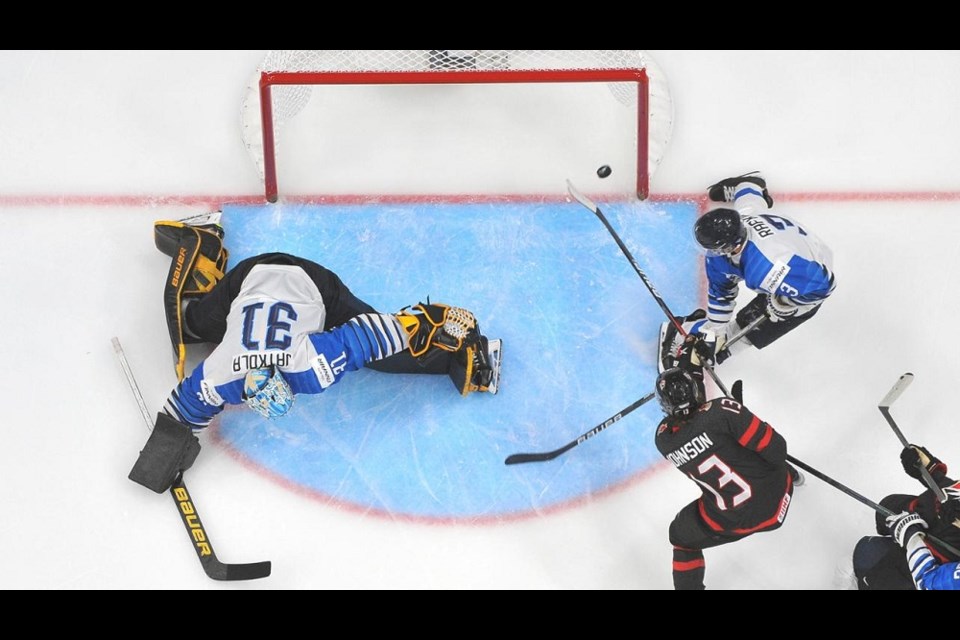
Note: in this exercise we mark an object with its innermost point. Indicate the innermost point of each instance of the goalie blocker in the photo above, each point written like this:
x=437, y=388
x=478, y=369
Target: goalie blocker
x=199, y=262
x=171, y=449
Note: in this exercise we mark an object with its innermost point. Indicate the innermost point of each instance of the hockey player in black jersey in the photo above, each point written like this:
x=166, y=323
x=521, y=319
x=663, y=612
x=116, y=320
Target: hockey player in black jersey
x=879, y=563
x=737, y=459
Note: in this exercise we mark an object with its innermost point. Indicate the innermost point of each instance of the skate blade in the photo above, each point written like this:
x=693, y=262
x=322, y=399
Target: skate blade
x=495, y=351
x=203, y=219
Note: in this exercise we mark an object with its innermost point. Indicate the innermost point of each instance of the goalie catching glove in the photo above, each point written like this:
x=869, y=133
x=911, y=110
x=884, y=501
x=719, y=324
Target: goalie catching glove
x=199, y=262
x=475, y=364
x=438, y=325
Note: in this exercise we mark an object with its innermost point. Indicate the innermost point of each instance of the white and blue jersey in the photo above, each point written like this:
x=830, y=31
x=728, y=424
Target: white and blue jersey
x=277, y=319
x=928, y=574
x=781, y=257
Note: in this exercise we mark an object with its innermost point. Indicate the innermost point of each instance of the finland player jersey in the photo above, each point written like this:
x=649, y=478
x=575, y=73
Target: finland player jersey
x=780, y=257
x=276, y=319
x=927, y=573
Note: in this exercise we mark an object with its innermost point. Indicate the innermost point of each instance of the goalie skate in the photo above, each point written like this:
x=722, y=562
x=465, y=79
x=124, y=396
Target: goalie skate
x=494, y=354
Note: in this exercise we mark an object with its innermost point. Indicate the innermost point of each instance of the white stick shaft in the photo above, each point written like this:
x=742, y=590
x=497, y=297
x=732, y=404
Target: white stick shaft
x=132, y=382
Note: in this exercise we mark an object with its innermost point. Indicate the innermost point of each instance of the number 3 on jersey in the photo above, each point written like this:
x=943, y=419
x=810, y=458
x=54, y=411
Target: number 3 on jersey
x=727, y=476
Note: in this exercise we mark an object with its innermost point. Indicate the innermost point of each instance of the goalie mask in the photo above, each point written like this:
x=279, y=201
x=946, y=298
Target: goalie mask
x=266, y=392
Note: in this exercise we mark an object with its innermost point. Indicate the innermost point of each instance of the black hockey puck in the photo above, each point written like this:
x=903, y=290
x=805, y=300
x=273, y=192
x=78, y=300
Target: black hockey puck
x=604, y=171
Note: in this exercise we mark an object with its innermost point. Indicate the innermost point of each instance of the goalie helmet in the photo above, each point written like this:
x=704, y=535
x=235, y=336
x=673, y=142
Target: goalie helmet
x=266, y=392
x=720, y=231
x=680, y=392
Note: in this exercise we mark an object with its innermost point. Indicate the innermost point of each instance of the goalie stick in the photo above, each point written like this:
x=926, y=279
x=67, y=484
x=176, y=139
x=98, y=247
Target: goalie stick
x=592, y=206
x=870, y=503
x=899, y=387
x=187, y=508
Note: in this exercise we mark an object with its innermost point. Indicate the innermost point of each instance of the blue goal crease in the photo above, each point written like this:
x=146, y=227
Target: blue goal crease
x=579, y=333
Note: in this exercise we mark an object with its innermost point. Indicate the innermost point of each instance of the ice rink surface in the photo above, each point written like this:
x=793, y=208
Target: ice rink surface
x=860, y=146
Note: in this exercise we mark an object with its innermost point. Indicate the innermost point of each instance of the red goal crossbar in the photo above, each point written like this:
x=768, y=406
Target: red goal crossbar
x=269, y=79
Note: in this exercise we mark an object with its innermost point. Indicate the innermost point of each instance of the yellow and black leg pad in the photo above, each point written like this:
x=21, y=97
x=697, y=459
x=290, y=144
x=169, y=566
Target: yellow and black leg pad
x=171, y=449
x=199, y=262
x=438, y=325
x=168, y=233
x=477, y=367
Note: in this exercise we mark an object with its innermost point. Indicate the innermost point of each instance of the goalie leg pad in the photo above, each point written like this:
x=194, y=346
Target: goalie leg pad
x=199, y=263
x=477, y=367
x=167, y=234
x=171, y=449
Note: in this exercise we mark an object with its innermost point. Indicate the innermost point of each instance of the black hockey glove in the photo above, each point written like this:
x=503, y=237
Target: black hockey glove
x=704, y=344
x=688, y=355
x=913, y=458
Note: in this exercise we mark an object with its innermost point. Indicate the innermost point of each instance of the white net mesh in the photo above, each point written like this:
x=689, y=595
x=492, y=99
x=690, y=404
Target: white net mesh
x=288, y=101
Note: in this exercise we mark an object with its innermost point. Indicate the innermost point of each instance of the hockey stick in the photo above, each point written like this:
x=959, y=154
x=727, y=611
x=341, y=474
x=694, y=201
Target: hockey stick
x=870, y=503
x=884, y=407
x=188, y=509
x=518, y=458
x=590, y=204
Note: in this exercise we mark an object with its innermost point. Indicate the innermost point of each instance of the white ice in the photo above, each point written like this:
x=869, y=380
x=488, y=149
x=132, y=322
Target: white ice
x=94, y=146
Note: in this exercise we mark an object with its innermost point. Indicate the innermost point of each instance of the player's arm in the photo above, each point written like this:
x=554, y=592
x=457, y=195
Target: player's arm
x=913, y=457
x=722, y=290
x=754, y=434
x=196, y=400
x=928, y=574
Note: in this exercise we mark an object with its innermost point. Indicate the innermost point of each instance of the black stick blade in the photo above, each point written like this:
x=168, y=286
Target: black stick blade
x=214, y=569
x=520, y=458
x=217, y=570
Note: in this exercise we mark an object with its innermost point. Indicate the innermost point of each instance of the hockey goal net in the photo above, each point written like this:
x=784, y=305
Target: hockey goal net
x=496, y=122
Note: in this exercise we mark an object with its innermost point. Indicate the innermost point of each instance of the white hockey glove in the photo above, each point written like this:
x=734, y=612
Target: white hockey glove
x=779, y=309
x=905, y=525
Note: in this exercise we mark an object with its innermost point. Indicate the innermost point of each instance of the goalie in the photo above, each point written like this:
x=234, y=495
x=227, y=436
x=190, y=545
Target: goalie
x=285, y=325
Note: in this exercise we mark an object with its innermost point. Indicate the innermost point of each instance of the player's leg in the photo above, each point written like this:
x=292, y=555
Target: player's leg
x=769, y=331
x=199, y=261
x=445, y=339
x=689, y=535
x=880, y=564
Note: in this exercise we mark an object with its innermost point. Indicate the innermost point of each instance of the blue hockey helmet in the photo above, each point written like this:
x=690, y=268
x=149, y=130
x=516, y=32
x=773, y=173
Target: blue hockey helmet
x=266, y=392
x=720, y=231
x=680, y=392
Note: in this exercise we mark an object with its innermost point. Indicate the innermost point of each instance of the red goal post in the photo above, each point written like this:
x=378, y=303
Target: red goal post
x=287, y=77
